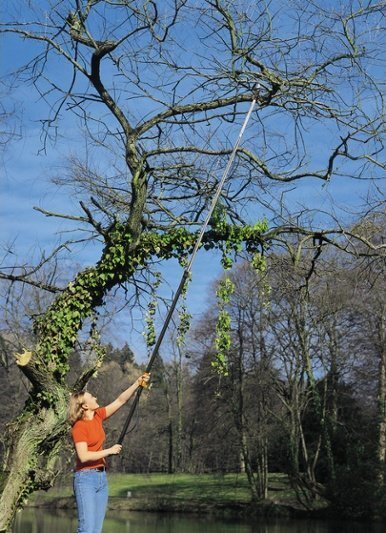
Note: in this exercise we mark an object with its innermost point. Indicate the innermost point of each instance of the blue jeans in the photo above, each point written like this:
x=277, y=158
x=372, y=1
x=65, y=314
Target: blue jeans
x=91, y=493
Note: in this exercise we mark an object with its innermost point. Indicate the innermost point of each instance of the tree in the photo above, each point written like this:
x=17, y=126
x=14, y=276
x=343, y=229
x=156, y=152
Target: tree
x=123, y=355
x=251, y=374
x=369, y=317
x=210, y=425
x=151, y=109
x=377, y=328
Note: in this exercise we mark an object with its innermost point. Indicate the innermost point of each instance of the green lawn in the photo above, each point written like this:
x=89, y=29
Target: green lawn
x=208, y=488
x=181, y=486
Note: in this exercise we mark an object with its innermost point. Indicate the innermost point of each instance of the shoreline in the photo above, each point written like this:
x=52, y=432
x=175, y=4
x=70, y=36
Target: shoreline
x=229, y=510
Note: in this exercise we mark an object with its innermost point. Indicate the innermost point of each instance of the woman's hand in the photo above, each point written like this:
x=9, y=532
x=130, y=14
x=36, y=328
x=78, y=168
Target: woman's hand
x=143, y=381
x=115, y=450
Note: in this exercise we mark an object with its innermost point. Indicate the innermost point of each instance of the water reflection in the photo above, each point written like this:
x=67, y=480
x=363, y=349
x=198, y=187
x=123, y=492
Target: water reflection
x=44, y=521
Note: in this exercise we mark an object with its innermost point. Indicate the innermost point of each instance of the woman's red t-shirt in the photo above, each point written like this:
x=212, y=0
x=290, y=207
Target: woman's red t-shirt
x=91, y=432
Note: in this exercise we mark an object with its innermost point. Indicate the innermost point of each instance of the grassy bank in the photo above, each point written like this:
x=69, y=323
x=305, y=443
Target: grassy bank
x=180, y=493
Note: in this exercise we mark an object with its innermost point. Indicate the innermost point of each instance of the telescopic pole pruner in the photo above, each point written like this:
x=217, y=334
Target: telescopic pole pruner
x=186, y=273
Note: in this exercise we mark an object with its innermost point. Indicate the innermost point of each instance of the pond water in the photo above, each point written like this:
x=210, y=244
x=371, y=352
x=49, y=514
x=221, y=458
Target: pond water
x=44, y=521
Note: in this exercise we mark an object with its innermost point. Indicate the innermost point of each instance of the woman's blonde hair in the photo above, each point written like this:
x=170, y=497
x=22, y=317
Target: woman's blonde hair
x=75, y=410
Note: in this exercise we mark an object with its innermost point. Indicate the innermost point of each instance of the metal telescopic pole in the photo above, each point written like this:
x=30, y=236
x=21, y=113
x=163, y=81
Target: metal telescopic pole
x=185, y=275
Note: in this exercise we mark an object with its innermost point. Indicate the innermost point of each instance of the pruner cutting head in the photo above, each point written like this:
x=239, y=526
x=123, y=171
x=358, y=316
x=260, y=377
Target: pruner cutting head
x=247, y=80
x=255, y=89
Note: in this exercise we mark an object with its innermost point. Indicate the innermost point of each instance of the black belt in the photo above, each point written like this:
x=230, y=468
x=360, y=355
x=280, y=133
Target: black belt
x=98, y=468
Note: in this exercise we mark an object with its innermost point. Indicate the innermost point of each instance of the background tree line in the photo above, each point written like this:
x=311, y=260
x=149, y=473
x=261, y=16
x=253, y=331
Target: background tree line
x=304, y=394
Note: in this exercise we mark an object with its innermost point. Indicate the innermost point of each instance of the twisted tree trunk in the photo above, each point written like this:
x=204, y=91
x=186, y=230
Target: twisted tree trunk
x=34, y=441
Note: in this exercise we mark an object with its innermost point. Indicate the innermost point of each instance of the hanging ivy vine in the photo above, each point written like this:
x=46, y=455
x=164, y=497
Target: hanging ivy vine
x=184, y=318
x=259, y=264
x=149, y=331
x=223, y=327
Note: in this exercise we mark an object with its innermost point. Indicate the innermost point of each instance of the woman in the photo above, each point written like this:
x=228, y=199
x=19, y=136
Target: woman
x=90, y=480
